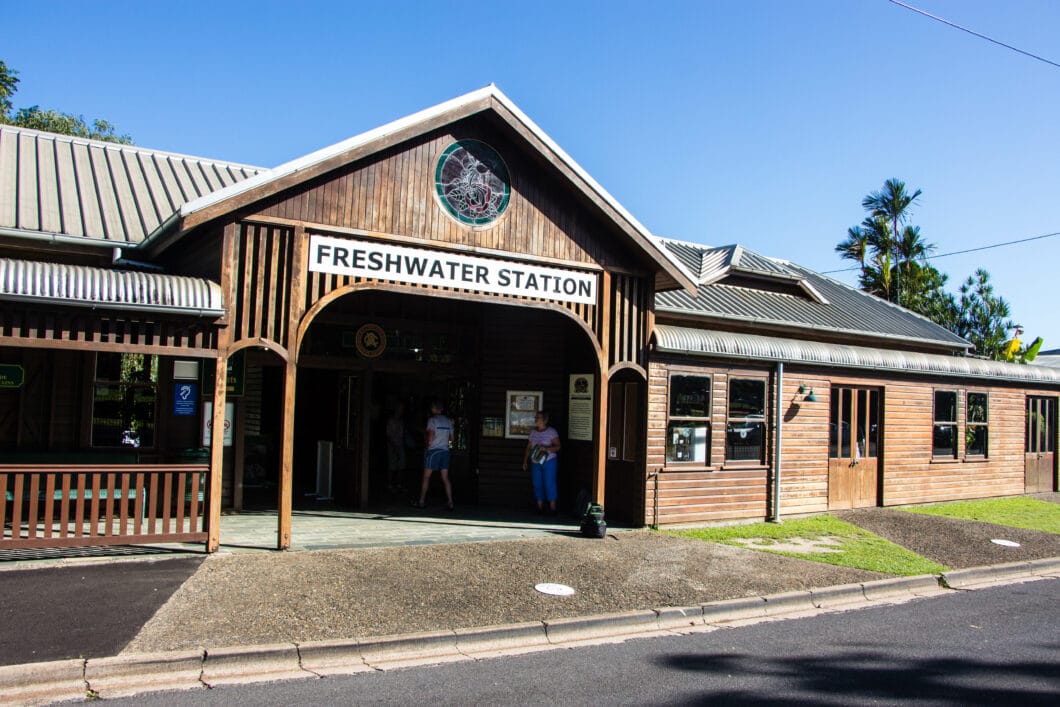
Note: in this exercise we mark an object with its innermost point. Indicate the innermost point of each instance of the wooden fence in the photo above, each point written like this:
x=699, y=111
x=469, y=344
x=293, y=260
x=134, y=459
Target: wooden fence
x=65, y=505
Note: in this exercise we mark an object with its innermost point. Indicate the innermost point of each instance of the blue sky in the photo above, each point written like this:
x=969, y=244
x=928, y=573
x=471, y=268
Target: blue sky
x=759, y=122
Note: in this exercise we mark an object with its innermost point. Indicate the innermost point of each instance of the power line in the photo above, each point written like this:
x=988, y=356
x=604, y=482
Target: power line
x=962, y=252
x=972, y=32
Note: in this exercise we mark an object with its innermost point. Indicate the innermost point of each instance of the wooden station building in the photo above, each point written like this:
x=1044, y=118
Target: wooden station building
x=180, y=335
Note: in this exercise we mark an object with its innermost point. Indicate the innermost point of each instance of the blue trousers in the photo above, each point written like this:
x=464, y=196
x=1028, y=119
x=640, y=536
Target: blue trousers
x=544, y=478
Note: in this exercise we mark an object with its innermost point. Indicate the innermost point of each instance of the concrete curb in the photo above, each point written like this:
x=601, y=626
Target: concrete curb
x=594, y=628
x=43, y=683
x=992, y=574
x=240, y=664
x=124, y=675
x=1049, y=567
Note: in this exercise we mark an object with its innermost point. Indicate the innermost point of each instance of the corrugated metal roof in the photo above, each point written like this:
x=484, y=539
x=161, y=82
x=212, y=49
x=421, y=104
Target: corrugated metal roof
x=838, y=307
x=1048, y=358
x=645, y=239
x=65, y=186
x=708, y=342
x=79, y=285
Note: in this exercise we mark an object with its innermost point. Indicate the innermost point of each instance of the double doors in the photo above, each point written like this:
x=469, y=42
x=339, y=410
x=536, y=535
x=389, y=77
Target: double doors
x=1039, y=460
x=853, y=448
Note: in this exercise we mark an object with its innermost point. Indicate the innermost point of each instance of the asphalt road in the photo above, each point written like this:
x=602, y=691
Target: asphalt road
x=88, y=611
x=991, y=646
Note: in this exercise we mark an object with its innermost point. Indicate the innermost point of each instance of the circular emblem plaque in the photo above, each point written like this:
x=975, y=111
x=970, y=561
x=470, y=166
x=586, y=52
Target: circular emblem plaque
x=371, y=340
x=472, y=182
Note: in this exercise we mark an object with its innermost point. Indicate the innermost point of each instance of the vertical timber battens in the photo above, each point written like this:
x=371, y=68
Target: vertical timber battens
x=296, y=310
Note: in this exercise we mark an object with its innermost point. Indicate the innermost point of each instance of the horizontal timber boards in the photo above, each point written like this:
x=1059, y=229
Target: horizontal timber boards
x=393, y=192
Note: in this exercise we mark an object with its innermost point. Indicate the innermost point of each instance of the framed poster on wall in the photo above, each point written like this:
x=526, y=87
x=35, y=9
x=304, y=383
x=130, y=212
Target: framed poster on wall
x=580, y=407
x=520, y=409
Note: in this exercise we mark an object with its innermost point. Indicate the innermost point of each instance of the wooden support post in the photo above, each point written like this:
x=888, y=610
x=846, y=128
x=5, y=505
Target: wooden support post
x=600, y=475
x=217, y=452
x=229, y=250
x=295, y=311
x=283, y=532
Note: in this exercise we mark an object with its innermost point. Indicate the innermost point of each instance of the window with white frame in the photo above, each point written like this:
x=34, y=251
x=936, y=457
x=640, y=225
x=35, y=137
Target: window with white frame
x=977, y=426
x=745, y=429
x=944, y=435
x=688, y=420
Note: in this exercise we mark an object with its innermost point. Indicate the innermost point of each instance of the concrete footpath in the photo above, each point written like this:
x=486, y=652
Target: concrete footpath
x=109, y=627
x=129, y=674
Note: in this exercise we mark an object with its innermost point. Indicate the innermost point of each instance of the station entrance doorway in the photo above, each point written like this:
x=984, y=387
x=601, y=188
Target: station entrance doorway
x=359, y=436
x=372, y=362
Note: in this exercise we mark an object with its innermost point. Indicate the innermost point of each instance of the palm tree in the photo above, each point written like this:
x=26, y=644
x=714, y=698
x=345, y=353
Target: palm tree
x=891, y=204
x=879, y=280
x=855, y=247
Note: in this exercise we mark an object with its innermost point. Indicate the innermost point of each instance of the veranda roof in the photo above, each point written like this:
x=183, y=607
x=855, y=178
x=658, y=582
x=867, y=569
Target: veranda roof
x=100, y=288
x=752, y=347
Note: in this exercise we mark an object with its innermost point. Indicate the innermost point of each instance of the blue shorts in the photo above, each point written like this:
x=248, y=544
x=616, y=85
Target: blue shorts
x=436, y=459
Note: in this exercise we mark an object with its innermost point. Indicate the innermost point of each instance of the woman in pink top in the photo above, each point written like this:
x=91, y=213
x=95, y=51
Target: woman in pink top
x=540, y=456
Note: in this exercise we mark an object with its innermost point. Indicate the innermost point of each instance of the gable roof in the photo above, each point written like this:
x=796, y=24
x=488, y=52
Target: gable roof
x=98, y=193
x=791, y=297
x=490, y=98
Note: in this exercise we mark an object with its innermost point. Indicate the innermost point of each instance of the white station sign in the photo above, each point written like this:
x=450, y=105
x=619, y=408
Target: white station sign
x=465, y=272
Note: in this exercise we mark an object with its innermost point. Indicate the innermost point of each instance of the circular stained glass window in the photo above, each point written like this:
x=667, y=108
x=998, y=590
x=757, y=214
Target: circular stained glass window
x=472, y=183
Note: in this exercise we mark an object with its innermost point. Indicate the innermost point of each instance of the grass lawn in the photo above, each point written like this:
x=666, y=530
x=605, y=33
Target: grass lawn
x=1015, y=512
x=849, y=546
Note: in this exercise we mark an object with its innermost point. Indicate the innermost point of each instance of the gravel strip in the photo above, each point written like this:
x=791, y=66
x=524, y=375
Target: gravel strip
x=955, y=543
x=315, y=595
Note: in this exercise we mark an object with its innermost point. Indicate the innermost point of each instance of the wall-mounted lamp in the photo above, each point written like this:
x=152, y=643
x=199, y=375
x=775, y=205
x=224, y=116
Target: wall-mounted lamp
x=810, y=398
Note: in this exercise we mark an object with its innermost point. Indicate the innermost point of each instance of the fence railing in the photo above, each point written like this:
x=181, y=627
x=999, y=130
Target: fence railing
x=69, y=505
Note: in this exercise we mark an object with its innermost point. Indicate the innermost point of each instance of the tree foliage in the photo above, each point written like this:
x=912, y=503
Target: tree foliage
x=8, y=86
x=896, y=268
x=52, y=121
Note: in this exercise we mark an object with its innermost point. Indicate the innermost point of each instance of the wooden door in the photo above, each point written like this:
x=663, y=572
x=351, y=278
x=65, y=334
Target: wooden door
x=853, y=448
x=1040, y=456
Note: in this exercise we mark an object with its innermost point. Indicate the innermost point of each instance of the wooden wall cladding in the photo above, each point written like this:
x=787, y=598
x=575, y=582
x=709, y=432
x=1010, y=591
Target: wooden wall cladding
x=700, y=494
x=393, y=193
x=804, y=457
x=910, y=474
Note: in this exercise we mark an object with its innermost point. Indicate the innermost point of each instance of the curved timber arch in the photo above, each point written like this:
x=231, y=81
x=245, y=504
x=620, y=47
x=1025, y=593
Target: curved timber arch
x=628, y=366
x=338, y=293
x=256, y=343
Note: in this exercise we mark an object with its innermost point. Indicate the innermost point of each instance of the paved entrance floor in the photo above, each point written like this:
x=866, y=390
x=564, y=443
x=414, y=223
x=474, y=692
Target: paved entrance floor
x=332, y=529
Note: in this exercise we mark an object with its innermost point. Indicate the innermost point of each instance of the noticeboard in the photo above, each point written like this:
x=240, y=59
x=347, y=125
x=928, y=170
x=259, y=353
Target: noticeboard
x=580, y=416
x=237, y=376
x=12, y=375
x=521, y=408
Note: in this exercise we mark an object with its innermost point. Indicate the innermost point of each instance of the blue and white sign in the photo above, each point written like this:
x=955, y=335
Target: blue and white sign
x=185, y=398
